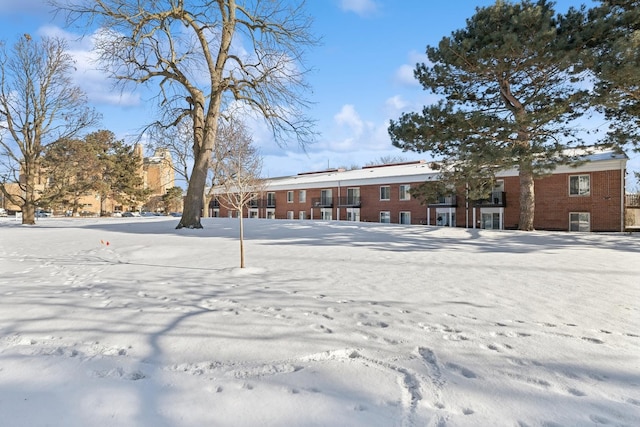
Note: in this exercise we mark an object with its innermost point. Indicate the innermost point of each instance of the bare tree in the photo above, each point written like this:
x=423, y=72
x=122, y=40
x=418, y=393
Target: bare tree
x=205, y=55
x=179, y=141
x=239, y=173
x=38, y=106
x=386, y=160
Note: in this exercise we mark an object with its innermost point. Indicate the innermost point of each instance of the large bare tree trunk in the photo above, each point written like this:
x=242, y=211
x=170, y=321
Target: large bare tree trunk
x=205, y=129
x=193, y=201
x=527, y=199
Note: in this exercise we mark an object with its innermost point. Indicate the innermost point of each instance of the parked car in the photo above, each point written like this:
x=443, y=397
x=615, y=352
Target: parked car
x=3, y=212
x=43, y=214
x=176, y=214
x=130, y=214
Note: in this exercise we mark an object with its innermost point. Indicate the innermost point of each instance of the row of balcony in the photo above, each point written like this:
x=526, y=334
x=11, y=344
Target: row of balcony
x=496, y=199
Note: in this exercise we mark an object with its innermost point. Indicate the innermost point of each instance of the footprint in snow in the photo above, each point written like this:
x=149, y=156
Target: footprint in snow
x=467, y=373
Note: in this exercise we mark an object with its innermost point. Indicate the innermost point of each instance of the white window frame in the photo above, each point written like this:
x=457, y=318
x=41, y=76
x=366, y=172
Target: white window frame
x=446, y=217
x=353, y=214
x=289, y=196
x=302, y=215
x=404, y=192
x=386, y=189
x=578, y=221
x=407, y=217
x=289, y=214
x=326, y=196
x=326, y=214
x=385, y=217
x=580, y=191
x=302, y=196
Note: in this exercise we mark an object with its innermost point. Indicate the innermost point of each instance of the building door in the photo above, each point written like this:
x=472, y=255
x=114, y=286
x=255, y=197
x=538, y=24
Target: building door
x=491, y=219
x=445, y=217
x=353, y=214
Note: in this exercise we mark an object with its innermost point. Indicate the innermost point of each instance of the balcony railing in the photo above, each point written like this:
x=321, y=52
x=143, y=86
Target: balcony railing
x=497, y=199
x=322, y=202
x=352, y=201
x=262, y=203
x=446, y=201
x=632, y=200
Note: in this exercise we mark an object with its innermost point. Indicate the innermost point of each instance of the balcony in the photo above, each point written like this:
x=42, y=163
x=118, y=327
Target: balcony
x=497, y=199
x=350, y=201
x=262, y=203
x=322, y=202
x=445, y=201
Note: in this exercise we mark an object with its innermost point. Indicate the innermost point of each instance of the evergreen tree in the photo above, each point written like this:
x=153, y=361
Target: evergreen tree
x=172, y=199
x=122, y=177
x=509, y=99
x=73, y=169
x=612, y=34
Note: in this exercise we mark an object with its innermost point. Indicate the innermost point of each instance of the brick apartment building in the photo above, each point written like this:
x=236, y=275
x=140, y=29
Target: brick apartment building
x=589, y=197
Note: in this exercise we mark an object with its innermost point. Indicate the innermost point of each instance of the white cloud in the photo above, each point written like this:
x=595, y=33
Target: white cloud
x=352, y=133
x=93, y=81
x=405, y=77
x=349, y=117
x=360, y=7
x=395, y=103
x=405, y=73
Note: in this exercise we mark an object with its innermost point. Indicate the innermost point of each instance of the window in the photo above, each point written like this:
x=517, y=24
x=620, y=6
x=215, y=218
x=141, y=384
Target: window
x=289, y=214
x=385, y=192
x=353, y=214
x=302, y=196
x=302, y=215
x=385, y=217
x=326, y=214
x=405, y=217
x=271, y=199
x=579, y=221
x=353, y=196
x=289, y=196
x=404, y=192
x=326, y=198
x=579, y=185
x=445, y=217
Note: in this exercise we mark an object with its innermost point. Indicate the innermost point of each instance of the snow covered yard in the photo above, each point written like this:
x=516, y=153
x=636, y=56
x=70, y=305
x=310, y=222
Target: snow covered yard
x=128, y=322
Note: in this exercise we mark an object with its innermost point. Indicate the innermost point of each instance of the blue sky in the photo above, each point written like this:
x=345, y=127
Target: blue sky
x=362, y=76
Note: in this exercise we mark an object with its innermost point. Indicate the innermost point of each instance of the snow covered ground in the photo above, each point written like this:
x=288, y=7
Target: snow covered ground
x=129, y=322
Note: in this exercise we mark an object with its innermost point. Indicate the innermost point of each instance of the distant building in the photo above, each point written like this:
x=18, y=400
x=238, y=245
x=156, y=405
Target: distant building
x=589, y=197
x=157, y=173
